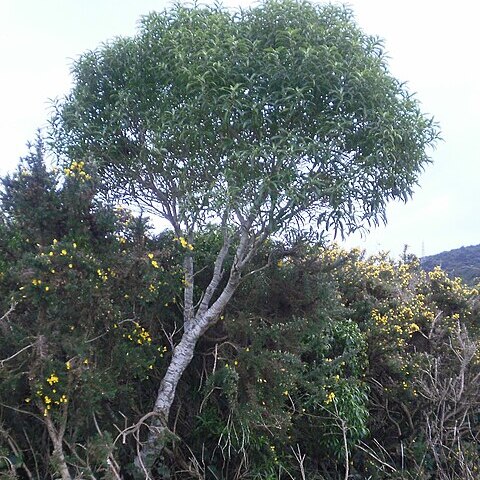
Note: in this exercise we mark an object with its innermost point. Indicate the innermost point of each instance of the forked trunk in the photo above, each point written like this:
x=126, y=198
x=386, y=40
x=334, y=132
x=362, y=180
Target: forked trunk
x=194, y=327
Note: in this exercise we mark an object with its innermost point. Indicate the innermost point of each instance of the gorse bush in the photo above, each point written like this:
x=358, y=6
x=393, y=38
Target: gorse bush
x=78, y=281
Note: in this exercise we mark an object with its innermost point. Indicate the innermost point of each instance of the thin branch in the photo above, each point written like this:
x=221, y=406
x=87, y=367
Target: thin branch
x=136, y=427
x=370, y=452
x=15, y=354
x=217, y=275
x=111, y=462
x=3, y=320
x=188, y=309
x=16, y=450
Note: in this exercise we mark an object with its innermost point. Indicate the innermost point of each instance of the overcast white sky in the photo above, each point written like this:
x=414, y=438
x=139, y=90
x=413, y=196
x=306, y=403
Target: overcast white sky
x=433, y=46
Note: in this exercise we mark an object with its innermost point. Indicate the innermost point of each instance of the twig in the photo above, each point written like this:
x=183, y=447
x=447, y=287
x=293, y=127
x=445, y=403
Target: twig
x=300, y=459
x=111, y=462
x=370, y=452
x=3, y=320
x=15, y=354
x=134, y=428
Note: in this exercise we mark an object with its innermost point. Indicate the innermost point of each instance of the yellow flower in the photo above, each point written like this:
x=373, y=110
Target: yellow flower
x=413, y=327
x=155, y=264
x=70, y=265
x=330, y=398
x=63, y=252
x=184, y=243
x=68, y=365
x=52, y=379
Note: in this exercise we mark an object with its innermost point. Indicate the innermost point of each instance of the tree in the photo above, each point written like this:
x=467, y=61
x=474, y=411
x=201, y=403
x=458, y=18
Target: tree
x=261, y=121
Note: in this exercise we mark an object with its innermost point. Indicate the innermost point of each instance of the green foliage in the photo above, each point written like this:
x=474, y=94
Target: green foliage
x=233, y=127
x=274, y=115
x=79, y=281
x=260, y=122
x=345, y=359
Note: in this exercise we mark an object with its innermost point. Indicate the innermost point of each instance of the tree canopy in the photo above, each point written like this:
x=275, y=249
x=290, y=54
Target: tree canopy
x=282, y=112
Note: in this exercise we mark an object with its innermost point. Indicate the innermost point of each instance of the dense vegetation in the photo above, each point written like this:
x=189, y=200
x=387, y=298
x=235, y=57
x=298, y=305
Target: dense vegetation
x=237, y=345
x=278, y=121
x=327, y=364
x=462, y=262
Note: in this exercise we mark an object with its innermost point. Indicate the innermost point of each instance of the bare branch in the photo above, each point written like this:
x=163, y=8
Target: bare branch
x=15, y=354
x=111, y=462
x=188, y=309
x=6, y=328
x=217, y=275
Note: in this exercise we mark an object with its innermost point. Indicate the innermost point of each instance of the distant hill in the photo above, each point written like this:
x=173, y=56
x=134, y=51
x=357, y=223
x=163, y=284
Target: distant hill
x=462, y=262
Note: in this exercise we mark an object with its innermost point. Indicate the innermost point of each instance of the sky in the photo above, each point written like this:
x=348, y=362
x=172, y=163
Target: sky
x=432, y=46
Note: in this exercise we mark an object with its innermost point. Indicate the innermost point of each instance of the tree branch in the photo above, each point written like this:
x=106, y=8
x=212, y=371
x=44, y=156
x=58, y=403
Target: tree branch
x=217, y=271
x=3, y=320
x=15, y=354
x=188, y=310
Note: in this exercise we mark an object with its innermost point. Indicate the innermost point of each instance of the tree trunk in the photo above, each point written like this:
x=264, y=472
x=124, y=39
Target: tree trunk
x=58, y=455
x=195, y=325
x=61, y=463
x=158, y=430
x=182, y=356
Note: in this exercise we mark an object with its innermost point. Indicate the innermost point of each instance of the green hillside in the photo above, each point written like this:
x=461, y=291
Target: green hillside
x=462, y=262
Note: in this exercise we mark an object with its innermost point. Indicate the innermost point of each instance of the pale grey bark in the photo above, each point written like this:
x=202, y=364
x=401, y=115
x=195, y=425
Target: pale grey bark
x=56, y=436
x=216, y=277
x=4, y=326
x=195, y=325
x=188, y=307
